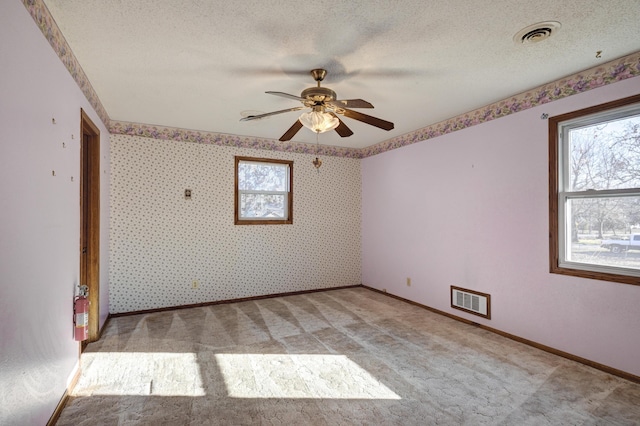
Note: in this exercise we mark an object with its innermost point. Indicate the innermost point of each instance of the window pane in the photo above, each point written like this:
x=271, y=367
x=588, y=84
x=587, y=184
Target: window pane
x=604, y=231
x=605, y=155
x=262, y=177
x=262, y=206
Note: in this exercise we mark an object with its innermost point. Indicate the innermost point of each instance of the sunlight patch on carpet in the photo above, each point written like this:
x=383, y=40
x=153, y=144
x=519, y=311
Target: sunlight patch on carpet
x=140, y=373
x=298, y=376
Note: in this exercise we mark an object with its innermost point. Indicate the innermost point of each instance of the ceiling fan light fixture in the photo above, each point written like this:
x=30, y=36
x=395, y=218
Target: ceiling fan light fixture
x=319, y=121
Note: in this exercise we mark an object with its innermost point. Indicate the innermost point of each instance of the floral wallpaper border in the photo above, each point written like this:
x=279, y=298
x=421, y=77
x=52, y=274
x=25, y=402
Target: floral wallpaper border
x=610, y=72
x=41, y=15
x=171, y=133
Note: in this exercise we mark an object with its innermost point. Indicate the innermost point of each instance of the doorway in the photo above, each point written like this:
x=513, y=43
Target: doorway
x=90, y=220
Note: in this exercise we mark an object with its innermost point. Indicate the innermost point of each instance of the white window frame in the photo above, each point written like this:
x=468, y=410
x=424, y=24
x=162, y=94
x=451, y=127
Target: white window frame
x=288, y=193
x=560, y=195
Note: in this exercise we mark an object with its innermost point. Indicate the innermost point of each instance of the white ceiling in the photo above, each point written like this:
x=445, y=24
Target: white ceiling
x=198, y=64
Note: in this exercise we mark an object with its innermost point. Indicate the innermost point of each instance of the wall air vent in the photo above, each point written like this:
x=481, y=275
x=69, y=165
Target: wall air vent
x=471, y=301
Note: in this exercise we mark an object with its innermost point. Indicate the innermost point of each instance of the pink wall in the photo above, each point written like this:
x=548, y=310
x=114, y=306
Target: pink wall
x=39, y=219
x=471, y=209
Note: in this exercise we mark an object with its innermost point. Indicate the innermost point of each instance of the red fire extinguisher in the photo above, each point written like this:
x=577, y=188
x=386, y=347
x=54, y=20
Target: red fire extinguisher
x=81, y=314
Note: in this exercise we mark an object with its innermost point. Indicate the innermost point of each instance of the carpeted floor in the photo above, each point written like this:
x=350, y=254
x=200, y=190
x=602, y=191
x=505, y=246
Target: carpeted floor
x=340, y=357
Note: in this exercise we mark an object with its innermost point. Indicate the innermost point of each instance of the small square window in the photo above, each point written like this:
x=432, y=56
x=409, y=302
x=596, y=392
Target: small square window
x=263, y=191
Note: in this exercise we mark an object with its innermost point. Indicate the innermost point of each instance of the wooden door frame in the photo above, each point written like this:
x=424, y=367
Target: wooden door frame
x=90, y=160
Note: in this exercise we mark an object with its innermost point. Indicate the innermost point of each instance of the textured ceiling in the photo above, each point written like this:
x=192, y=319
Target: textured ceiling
x=198, y=64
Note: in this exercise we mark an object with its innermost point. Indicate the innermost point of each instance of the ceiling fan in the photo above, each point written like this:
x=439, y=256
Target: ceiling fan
x=325, y=108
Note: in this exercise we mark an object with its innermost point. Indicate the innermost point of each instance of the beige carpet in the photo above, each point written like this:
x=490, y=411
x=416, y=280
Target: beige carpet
x=341, y=357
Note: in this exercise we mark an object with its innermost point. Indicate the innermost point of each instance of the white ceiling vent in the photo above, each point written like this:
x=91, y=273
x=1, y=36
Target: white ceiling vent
x=471, y=301
x=536, y=32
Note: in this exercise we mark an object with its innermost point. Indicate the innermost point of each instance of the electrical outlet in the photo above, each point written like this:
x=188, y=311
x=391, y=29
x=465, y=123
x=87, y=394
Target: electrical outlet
x=408, y=282
x=194, y=284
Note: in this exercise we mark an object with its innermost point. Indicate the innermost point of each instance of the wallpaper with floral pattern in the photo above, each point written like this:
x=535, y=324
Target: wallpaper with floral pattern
x=160, y=242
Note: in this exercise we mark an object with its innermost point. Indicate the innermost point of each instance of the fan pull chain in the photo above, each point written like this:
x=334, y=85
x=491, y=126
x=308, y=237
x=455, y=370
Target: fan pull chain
x=317, y=162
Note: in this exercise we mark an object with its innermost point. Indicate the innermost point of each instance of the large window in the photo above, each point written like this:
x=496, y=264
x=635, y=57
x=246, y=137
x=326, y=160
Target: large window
x=263, y=191
x=595, y=192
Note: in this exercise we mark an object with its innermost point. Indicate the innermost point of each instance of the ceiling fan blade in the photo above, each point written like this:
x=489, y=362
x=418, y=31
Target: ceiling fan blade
x=291, y=132
x=382, y=124
x=268, y=114
x=286, y=95
x=342, y=128
x=351, y=103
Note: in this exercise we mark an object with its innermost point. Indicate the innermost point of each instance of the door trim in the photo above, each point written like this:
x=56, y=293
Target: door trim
x=90, y=217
